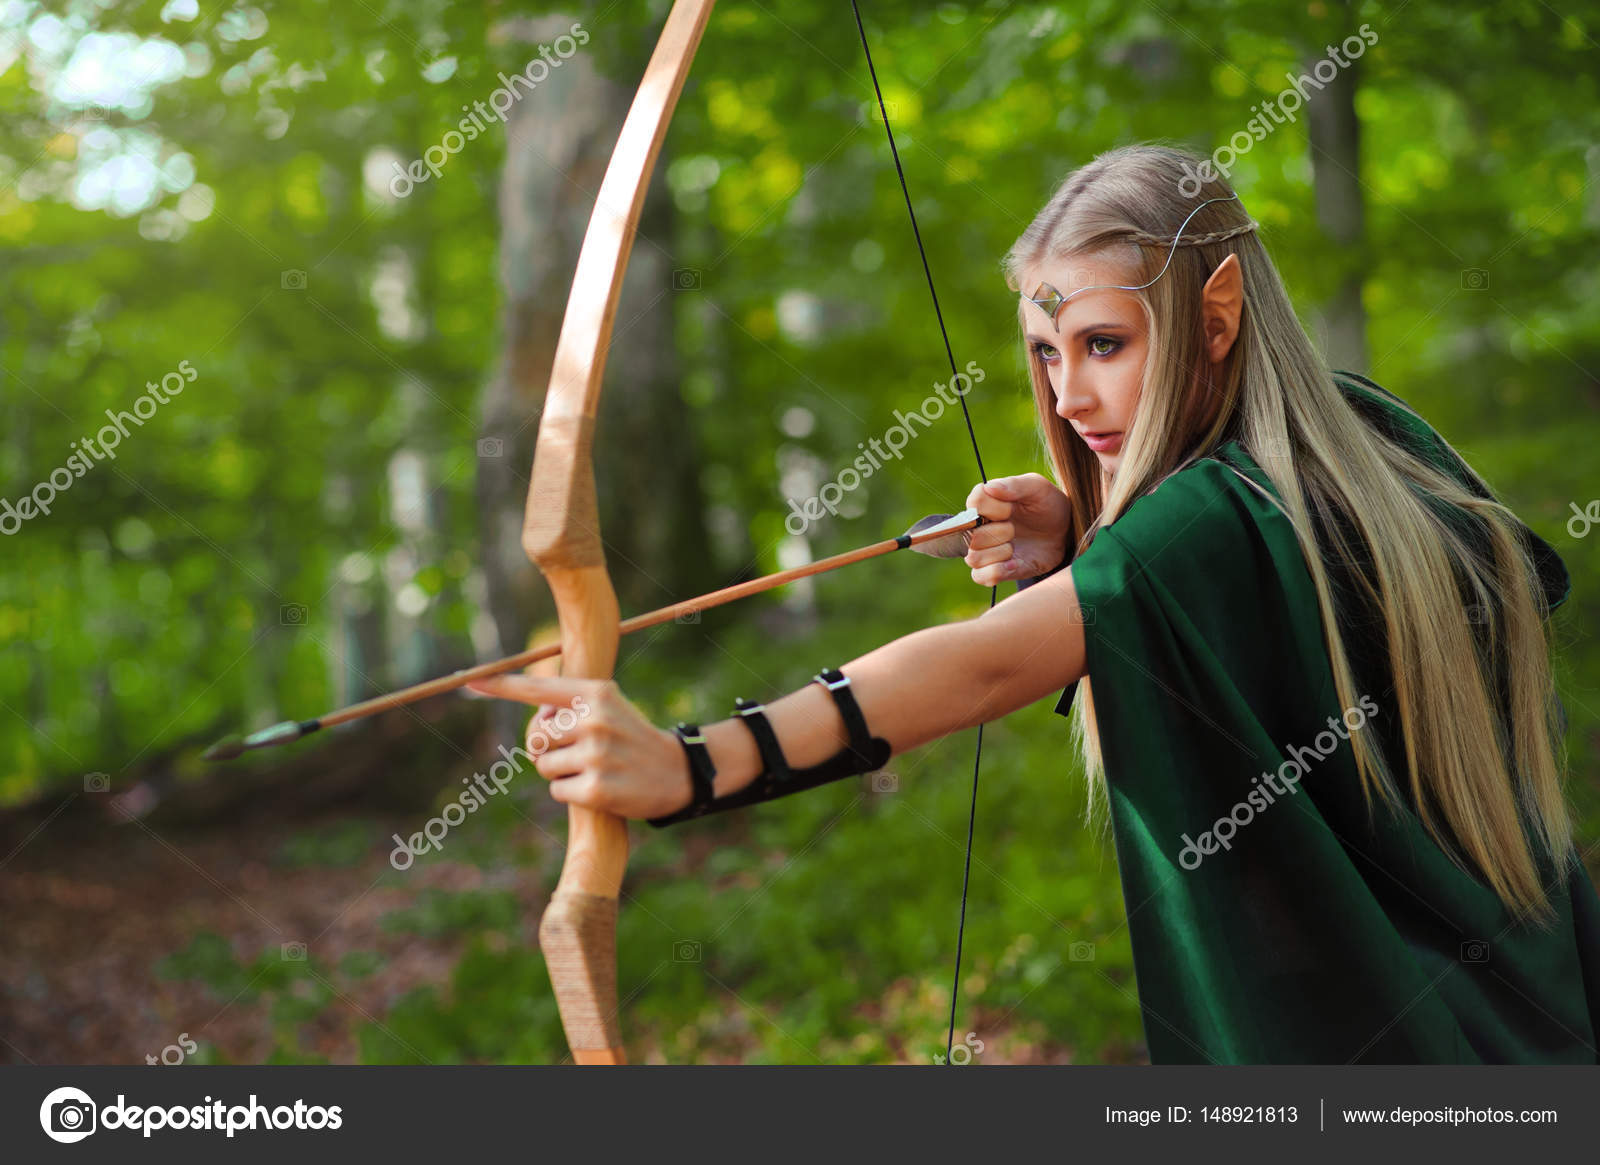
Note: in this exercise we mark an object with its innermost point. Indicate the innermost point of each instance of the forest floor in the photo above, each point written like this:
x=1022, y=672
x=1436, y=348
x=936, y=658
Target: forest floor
x=90, y=913
x=91, y=909
x=254, y=916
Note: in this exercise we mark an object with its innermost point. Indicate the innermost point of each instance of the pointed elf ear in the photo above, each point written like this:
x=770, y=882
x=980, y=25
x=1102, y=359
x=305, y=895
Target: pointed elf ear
x=1221, y=303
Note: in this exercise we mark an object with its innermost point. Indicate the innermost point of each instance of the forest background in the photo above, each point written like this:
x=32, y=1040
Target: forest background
x=274, y=210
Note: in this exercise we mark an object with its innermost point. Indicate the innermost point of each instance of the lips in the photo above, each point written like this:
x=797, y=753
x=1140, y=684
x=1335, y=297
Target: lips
x=1101, y=442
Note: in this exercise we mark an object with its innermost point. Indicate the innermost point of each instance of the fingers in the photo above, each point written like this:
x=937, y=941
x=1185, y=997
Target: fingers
x=991, y=534
x=1010, y=489
x=594, y=748
x=994, y=575
x=996, y=498
x=989, y=547
x=990, y=556
x=983, y=499
x=564, y=760
x=1003, y=488
x=584, y=790
x=1024, y=487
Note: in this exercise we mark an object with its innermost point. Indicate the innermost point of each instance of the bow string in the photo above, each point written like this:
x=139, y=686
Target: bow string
x=944, y=333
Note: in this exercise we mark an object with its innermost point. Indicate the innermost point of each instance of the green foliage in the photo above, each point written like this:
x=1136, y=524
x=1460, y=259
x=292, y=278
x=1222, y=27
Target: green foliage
x=332, y=328
x=345, y=843
x=298, y=989
x=499, y=1010
x=437, y=912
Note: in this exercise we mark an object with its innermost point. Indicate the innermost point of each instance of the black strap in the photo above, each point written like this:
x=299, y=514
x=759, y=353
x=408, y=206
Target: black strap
x=838, y=685
x=864, y=754
x=774, y=765
x=702, y=774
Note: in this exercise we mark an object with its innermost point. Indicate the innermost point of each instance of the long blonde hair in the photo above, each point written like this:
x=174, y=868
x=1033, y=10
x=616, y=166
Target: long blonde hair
x=1487, y=776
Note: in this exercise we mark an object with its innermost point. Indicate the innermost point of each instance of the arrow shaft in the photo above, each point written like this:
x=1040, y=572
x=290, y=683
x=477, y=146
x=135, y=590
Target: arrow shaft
x=667, y=614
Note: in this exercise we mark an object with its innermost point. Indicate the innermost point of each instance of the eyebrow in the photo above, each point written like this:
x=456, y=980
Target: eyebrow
x=1033, y=338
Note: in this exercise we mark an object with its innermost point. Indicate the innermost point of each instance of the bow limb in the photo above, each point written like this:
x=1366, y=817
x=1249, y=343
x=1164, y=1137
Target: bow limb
x=561, y=534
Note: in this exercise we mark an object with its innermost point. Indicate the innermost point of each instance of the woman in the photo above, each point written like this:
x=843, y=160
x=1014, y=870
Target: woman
x=1322, y=712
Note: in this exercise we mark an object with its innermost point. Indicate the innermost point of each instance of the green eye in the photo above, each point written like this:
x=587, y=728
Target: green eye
x=1046, y=352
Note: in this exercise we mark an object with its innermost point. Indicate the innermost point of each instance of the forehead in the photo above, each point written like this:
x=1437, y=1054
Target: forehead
x=1069, y=273
x=1073, y=273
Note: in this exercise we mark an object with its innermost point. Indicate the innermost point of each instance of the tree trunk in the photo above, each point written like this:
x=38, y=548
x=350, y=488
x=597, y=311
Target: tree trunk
x=1335, y=134
x=559, y=141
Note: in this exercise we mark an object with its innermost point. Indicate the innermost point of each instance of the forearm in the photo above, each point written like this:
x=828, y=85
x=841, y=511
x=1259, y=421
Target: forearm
x=925, y=685
x=911, y=691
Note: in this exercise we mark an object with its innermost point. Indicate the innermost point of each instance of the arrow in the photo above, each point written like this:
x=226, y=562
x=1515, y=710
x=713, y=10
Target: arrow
x=937, y=535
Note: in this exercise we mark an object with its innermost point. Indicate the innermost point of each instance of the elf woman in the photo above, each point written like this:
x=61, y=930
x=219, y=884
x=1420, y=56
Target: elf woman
x=1303, y=646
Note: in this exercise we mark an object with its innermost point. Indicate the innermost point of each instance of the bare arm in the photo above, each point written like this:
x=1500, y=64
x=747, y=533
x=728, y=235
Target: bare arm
x=911, y=691
x=925, y=685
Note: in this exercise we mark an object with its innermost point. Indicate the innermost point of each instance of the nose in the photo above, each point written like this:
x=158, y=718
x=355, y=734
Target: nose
x=1072, y=399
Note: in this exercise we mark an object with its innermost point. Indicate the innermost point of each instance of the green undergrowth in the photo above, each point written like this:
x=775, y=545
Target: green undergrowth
x=819, y=928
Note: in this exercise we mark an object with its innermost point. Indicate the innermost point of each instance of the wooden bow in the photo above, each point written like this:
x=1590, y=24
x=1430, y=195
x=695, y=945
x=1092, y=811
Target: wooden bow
x=561, y=534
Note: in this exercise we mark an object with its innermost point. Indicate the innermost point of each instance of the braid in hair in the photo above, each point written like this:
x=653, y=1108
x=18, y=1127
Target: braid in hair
x=1146, y=239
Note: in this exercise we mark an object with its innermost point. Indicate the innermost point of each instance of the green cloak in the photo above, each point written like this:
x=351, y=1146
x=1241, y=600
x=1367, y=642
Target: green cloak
x=1273, y=920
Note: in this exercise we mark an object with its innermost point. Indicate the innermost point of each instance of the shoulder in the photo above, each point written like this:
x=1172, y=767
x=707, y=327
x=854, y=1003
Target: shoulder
x=1203, y=553
x=1203, y=511
x=1226, y=489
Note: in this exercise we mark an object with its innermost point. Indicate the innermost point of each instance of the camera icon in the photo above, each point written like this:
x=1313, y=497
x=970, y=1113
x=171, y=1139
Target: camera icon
x=96, y=783
x=1474, y=279
x=685, y=951
x=1475, y=952
x=885, y=783
x=686, y=279
x=1081, y=952
x=1086, y=614
x=1275, y=449
x=1477, y=613
x=687, y=617
x=293, y=280
x=292, y=952
x=67, y=1115
x=96, y=113
x=292, y=614
x=72, y=1116
x=491, y=447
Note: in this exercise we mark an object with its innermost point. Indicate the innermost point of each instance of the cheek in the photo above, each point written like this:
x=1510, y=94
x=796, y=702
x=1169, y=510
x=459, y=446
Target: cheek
x=1127, y=398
